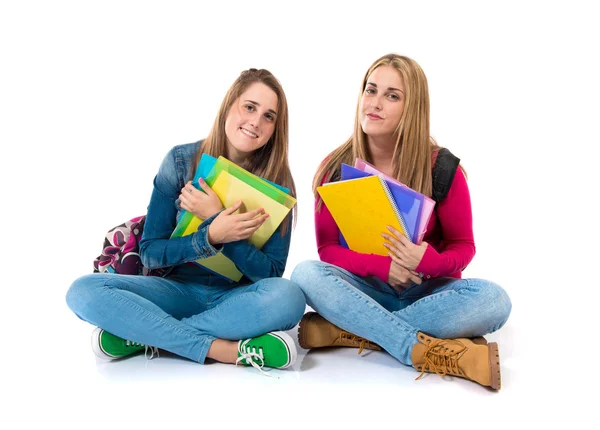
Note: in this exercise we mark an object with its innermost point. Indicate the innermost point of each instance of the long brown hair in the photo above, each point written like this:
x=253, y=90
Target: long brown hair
x=270, y=161
x=414, y=146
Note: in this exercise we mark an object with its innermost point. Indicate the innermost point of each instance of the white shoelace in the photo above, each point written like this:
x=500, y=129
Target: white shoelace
x=148, y=350
x=131, y=343
x=249, y=354
x=153, y=351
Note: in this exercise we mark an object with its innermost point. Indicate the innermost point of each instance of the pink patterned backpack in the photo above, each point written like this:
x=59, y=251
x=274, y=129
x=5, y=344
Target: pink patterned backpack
x=121, y=251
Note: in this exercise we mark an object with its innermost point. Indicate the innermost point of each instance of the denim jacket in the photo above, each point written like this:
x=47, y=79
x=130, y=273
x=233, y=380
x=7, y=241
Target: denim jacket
x=157, y=250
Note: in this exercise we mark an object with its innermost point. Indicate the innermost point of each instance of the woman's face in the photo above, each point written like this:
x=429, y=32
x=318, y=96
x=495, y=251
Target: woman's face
x=382, y=102
x=250, y=122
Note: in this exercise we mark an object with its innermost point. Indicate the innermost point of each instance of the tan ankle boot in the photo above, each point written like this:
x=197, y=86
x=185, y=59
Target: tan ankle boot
x=316, y=332
x=458, y=357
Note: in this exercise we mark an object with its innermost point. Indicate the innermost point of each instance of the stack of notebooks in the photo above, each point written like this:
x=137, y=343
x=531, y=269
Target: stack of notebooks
x=365, y=201
x=232, y=183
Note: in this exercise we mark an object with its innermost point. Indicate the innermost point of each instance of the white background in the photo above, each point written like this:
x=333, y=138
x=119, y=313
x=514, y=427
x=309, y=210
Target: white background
x=94, y=94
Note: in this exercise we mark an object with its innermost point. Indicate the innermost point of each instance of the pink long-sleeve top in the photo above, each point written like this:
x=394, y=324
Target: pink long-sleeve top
x=449, y=236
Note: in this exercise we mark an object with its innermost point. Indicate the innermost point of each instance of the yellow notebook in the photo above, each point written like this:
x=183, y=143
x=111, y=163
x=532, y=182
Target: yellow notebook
x=362, y=208
x=230, y=189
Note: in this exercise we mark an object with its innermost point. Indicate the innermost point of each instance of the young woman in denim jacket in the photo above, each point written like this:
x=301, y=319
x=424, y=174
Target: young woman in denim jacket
x=191, y=312
x=413, y=302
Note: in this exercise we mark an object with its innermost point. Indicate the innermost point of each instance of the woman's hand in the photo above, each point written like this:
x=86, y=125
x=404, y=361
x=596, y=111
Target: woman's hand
x=227, y=227
x=200, y=204
x=403, y=251
x=400, y=278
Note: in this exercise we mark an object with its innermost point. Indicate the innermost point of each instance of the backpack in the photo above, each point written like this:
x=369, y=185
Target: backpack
x=443, y=173
x=121, y=251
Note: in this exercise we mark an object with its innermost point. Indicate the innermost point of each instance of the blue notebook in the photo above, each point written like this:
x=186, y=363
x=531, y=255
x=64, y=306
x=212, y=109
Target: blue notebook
x=408, y=201
x=207, y=162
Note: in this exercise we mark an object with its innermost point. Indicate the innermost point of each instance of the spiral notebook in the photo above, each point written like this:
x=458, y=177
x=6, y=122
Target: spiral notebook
x=362, y=209
x=409, y=202
x=427, y=203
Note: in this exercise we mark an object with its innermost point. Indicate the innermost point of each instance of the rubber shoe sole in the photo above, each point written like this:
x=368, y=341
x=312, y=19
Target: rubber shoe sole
x=302, y=331
x=494, y=361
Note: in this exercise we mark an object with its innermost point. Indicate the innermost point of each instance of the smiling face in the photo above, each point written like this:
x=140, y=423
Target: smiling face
x=251, y=120
x=382, y=102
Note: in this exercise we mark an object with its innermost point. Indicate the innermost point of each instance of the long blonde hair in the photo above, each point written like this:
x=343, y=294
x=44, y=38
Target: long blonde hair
x=411, y=159
x=270, y=161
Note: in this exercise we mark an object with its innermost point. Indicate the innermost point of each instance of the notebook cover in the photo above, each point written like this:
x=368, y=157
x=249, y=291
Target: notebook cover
x=427, y=204
x=409, y=202
x=362, y=211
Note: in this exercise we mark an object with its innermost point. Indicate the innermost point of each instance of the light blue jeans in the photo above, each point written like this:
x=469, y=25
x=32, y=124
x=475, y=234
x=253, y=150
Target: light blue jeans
x=182, y=316
x=370, y=308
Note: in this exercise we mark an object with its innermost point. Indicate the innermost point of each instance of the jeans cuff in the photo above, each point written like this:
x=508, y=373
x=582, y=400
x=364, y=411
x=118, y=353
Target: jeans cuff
x=208, y=340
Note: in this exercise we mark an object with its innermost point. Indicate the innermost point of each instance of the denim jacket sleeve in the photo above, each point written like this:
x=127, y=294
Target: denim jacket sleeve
x=157, y=250
x=267, y=262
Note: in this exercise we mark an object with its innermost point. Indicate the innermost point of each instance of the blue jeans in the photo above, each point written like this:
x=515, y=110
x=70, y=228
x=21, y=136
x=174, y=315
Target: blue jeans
x=182, y=316
x=372, y=309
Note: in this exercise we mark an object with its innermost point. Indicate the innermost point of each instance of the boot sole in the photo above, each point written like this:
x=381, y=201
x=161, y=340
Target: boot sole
x=301, y=332
x=494, y=360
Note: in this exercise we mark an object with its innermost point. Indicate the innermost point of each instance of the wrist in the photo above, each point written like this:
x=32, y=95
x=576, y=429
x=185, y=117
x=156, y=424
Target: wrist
x=210, y=235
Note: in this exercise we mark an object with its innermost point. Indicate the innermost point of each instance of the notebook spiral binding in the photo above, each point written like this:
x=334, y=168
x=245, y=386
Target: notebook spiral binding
x=388, y=193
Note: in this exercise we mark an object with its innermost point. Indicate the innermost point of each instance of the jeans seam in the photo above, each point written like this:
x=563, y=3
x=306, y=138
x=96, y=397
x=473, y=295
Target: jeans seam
x=206, y=344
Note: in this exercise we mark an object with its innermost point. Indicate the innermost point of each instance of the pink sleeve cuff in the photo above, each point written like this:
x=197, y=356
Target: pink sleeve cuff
x=380, y=267
x=429, y=263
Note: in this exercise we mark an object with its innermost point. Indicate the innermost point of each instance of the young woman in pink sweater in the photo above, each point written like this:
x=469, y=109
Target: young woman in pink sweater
x=413, y=302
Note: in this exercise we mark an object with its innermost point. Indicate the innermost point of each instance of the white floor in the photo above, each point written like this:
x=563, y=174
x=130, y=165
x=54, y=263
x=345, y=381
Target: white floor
x=59, y=381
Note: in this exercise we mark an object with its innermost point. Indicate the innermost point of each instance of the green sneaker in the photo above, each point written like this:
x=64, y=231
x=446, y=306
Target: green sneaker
x=275, y=349
x=109, y=347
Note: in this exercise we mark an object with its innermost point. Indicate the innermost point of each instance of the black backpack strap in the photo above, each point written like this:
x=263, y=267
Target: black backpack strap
x=444, y=170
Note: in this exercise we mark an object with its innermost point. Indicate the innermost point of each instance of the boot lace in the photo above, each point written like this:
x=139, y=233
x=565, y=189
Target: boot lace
x=253, y=357
x=362, y=342
x=442, y=357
